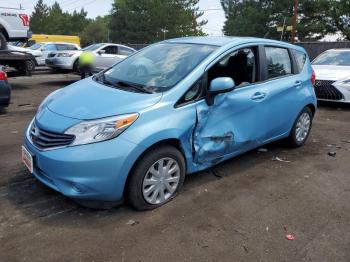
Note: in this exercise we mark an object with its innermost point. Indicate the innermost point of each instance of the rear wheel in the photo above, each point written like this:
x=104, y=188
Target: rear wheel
x=301, y=128
x=157, y=178
x=3, y=42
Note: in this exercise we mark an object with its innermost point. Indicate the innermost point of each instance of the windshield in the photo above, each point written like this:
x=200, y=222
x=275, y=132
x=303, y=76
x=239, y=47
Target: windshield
x=159, y=67
x=340, y=58
x=35, y=47
x=92, y=47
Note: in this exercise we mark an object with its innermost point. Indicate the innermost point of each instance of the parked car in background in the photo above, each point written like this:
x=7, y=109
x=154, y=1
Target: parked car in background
x=5, y=89
x=35, y=53
x=332, y=69
x=105, y=56
x=46, y=48
x=14, y=25
x=171, y=109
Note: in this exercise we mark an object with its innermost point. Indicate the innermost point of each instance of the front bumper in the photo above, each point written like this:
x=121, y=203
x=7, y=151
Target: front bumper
x=331, y=91
x=87, y=172
x=60, y=62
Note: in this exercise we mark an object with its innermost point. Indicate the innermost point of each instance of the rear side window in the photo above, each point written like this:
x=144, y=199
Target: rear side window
x=278, y=62
x=125, y=51
x=64, y=47
x=300, y=58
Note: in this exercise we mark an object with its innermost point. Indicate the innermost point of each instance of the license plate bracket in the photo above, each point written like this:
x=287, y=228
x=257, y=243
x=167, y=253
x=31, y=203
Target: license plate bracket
x=27, y=159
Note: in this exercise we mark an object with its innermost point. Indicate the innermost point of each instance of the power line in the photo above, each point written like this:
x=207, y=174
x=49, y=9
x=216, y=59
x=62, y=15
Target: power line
x=88, y=3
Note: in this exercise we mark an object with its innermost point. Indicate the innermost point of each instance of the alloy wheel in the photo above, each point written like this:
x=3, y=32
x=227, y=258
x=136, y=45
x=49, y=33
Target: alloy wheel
x=303, y=127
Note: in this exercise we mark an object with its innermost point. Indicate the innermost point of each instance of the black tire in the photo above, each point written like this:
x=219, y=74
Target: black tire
x=76, y=66
x=292, y=138
x=30, y=65
x=3, y=42
x=134, y=194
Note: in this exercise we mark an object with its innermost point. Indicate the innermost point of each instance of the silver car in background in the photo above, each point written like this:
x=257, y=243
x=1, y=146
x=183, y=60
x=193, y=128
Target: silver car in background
x=105, y=56
x=45, y=48
x=332, y=70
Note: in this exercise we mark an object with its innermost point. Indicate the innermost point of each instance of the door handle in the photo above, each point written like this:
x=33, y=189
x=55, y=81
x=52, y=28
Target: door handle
x=258, y=96
x=297, y=84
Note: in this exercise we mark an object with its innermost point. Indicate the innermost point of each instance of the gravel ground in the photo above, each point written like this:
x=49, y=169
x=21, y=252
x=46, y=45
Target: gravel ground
x=240, y=210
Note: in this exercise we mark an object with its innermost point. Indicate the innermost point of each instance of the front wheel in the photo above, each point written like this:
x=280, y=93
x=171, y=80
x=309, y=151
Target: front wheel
x=301, y=128
x=76, y=67
x=157, y=178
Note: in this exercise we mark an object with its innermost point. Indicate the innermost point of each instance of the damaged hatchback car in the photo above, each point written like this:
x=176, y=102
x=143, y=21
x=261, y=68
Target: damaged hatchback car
x=135, y=130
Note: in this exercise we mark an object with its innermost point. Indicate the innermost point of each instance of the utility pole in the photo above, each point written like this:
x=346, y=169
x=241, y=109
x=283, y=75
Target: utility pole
x=284, y=26
x=295, y=17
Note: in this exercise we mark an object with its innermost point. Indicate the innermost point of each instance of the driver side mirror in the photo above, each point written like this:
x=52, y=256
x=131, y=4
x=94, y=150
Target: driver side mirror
x=100, y=52
x=219, y=85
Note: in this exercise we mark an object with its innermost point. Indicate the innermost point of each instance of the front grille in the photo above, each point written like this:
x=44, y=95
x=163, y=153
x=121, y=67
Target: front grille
x=44, y=139
x=51, y=55
x=324, y=89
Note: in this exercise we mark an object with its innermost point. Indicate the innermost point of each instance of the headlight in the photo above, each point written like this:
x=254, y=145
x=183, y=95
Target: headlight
x=64, y=55
x=88, y=132
x=344, y=84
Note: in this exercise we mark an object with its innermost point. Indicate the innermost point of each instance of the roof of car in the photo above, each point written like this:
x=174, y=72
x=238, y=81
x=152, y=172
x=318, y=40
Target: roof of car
x=223, y=40
x=64, y=43
x=340, y=49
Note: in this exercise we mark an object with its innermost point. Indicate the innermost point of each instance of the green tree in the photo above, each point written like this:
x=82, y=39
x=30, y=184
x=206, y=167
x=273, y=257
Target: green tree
x=262, y=17
x=95, y=32
x=339, y=12
x=134, y=21
x=39, y=17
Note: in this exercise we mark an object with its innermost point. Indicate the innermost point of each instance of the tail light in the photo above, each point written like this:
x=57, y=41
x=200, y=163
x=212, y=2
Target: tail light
x=3, y=75
x=313, y=78
x=25, y=19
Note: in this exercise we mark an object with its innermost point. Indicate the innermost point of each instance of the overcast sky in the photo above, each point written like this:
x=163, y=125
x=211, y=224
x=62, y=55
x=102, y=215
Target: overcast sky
x=212, y=10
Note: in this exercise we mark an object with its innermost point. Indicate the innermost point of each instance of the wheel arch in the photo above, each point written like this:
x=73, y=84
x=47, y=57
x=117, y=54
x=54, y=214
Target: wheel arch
x=175, y=142
x=312, y=108
x=4, y=32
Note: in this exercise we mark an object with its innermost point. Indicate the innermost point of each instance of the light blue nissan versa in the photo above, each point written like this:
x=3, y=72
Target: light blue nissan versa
x=135, y=130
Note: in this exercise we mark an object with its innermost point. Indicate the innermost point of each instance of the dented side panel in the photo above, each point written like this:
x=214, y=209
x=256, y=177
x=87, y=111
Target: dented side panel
x=233, y=124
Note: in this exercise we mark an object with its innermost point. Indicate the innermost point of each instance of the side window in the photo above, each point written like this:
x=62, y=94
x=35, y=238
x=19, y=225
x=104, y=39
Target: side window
x=61, y=47
x=240, y=65
x=111, y=50
x=49, y=47
x=300, y=58
x=125, y=51
x=193, y=94
x=278, y=62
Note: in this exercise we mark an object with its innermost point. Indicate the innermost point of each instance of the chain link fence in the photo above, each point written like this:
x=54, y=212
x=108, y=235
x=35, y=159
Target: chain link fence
x=316, y=48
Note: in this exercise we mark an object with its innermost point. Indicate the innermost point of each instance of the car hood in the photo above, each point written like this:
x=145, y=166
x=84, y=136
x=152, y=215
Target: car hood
x=331, y=72
x=26, y=50
x=74, y=52
x=87, y=99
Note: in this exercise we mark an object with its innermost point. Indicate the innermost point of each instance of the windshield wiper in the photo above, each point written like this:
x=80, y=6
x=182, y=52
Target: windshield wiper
x=102, y=79
x=134, y=86
x=121, y=84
